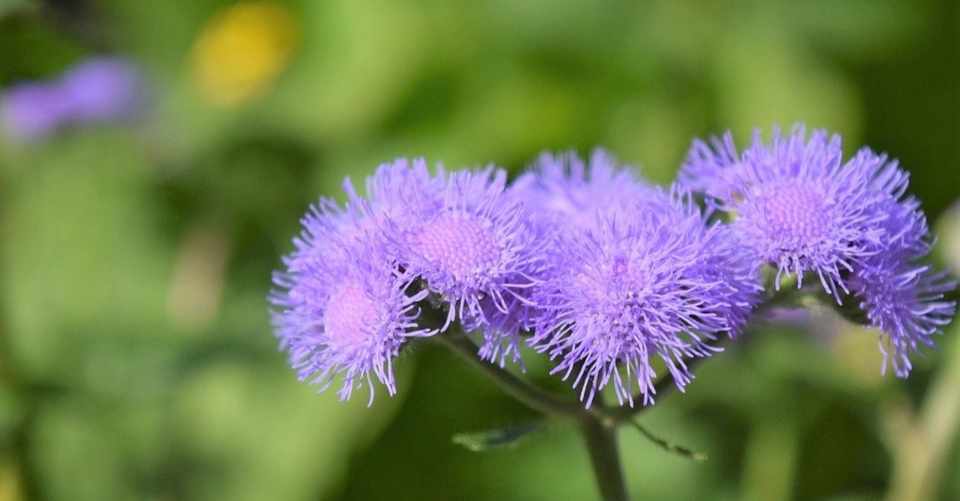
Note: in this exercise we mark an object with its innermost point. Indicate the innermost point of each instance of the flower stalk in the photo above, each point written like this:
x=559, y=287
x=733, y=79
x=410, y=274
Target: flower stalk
x=597, y=425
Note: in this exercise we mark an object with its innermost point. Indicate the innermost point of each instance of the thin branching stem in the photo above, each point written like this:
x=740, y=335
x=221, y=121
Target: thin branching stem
x=597, y=425
x=526, y=393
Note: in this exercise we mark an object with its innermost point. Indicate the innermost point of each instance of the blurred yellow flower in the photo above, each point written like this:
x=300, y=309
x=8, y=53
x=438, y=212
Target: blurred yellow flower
x=241, y=51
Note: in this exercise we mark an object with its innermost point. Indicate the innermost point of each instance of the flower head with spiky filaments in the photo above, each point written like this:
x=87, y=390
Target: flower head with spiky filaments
x=902, y=298
x=400, y=194
x=343, y=307
x=905, y=301
x=710, y=167
x=797, y=206
x=470, y=250
x=564, y=191
x=652, y=282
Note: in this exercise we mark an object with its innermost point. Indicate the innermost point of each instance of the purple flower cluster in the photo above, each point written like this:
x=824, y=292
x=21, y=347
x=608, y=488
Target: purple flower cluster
x=96, y=90
x=351, y=292
x=615, y=280
x=797, y=206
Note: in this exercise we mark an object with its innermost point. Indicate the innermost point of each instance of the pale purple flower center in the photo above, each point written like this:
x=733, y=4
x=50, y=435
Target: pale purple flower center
x=794, y=212
x=458, y=244
x=619, y=300
x=349, y=315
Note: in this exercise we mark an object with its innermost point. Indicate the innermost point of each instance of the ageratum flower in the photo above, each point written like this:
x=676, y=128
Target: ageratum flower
x=343, y=308
x=905, y=228
x=565, y=192
x=905, y=301
x=710, y=168
x=400, y=194
x=651, y=282
x=561, y=193
x=796, y=205
x=468, y=246
x=901, y=298
x=501, y=331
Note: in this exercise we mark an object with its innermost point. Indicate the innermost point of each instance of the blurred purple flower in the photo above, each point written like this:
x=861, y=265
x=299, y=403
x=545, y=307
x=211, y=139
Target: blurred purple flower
x=96, y=90
x=103, y=89
x=31, y=112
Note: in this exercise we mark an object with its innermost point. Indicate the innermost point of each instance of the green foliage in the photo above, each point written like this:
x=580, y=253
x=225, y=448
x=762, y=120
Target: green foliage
x=136, y=360
x=491, y=439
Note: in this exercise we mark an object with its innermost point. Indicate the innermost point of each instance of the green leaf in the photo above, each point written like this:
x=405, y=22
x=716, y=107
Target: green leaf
x=667, y=445
x=501, y=437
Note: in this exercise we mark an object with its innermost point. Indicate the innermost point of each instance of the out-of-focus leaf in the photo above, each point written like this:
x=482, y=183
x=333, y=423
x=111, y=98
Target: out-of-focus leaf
x=519, y=112
x=8, y=7
x=83, y=255
x=656, y=132
x=771, y=457
x=359, y=56
x=948, y=228
x=859, y=28
x=11, y=413
x=113, y=449
x=765, y=78
x=270, y=436
x=11, y=488
x=509, y=436
x=667, y=445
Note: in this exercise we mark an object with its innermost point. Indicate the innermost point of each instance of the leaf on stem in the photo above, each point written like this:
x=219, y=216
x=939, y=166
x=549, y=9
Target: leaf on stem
x=668, y=446
x=501, y=437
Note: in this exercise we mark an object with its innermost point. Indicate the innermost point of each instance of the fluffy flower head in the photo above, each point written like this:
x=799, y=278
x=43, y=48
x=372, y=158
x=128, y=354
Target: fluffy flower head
x=469, y=247
x=796, y=204
x=342, y=307
x=905, y=301
x=658, y=283
x=564, y=191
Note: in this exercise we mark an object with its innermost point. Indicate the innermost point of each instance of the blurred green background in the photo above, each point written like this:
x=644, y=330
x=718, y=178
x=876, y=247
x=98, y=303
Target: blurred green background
x=137, y=360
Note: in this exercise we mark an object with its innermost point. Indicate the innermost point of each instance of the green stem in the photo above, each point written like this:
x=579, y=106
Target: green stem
x=517, y=388
x=597, y=425
x=601, y=441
